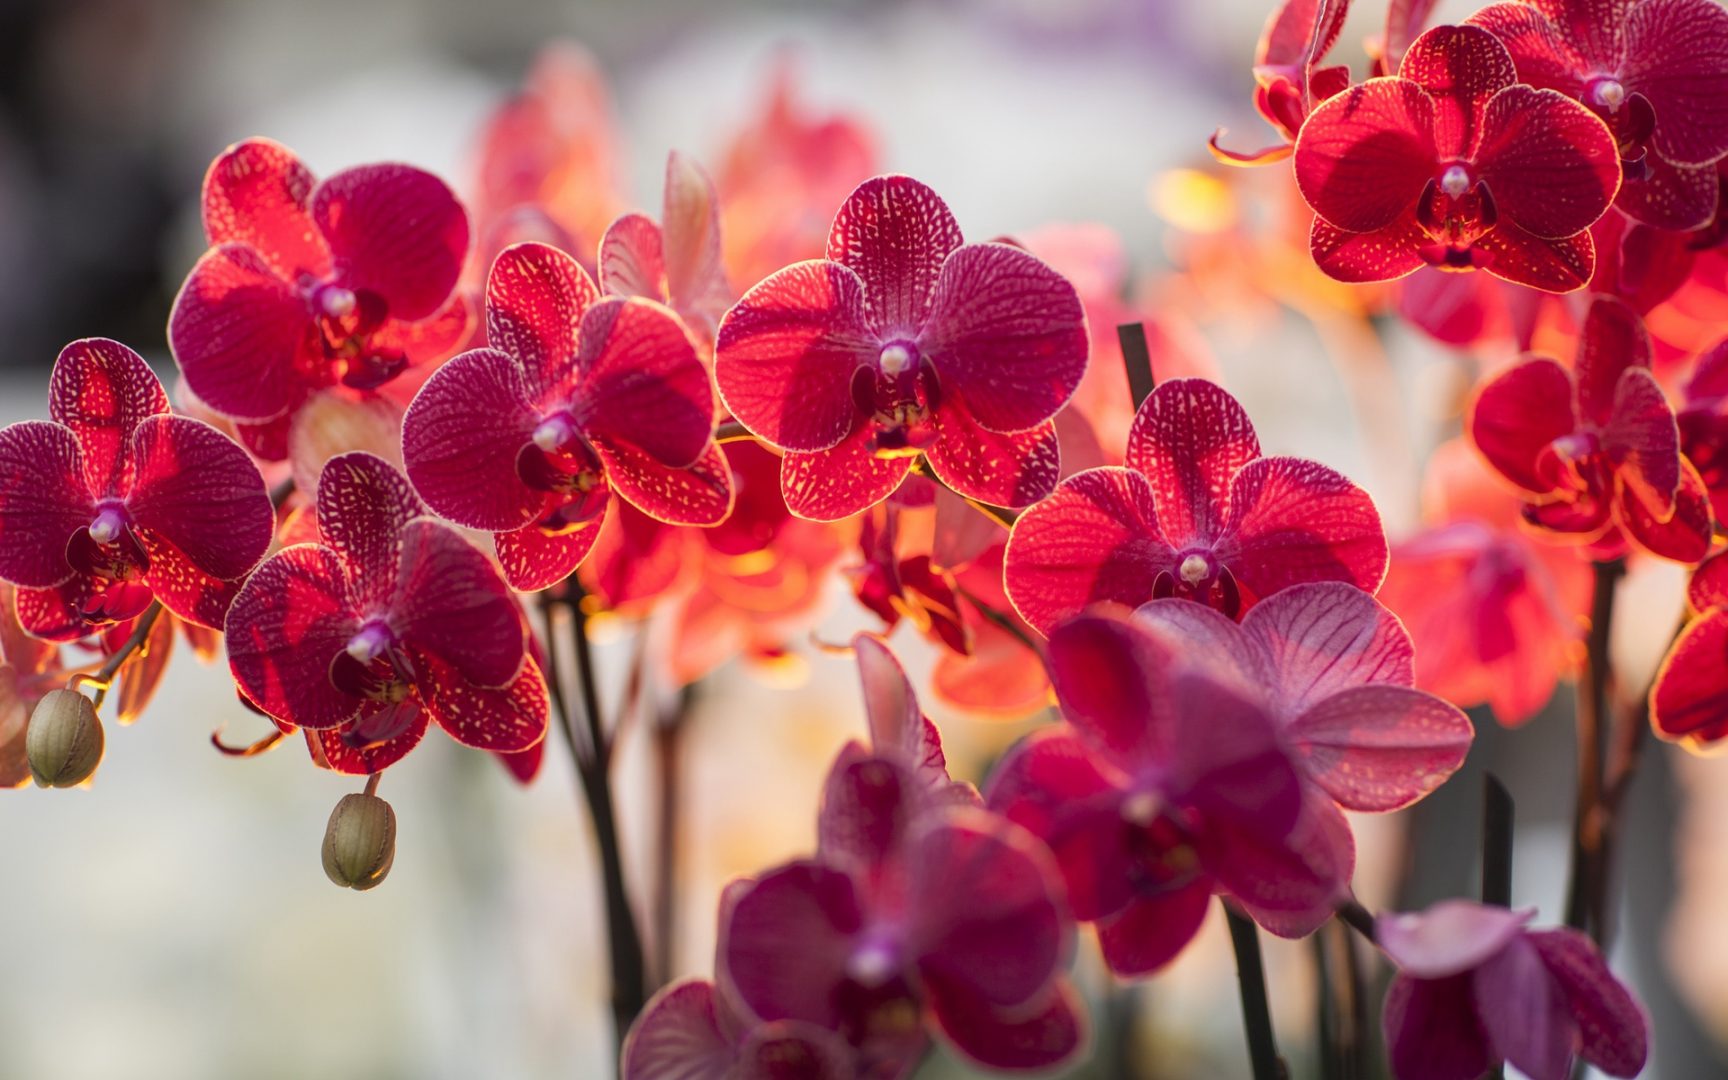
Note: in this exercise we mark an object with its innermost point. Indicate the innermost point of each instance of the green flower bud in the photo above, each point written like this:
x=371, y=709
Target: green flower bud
x=360, y=842
x=64, y=740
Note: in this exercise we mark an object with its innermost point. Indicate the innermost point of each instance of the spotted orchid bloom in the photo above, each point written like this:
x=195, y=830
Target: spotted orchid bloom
x=1476, y=988
x=1168, y=782
x=1289, y=79
x=1595, y=450
x=1196, y=512
x=1453, y=163
x=576, y=399
x=311, y=286
x=115, y=501
x=904, y=342
x=392, y=620
x=921, y=913
x=1655, y=71
x=676, y=260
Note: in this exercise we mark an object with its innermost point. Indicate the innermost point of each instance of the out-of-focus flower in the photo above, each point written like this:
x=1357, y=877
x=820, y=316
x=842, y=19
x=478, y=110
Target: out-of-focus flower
x=1000, y=675
x=577, y=397
x=392, y=619
x=687, y=1031
x=1475, y=988
x=905, y=341
x=1689, y=701
x=1196, y=513
x=1289, y=79
x=115, y=501
x=1703, y=422
x=1497, y=616
x=29, y=668
x=676, y=260
x=309, y=286
x=1596, y=449
x=1654, y=70
x=1455, y=164
x=1168, y=782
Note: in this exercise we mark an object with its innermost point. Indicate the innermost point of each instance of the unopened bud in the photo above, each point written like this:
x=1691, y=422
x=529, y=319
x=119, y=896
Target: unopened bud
x=64, y=740
x=360, y=842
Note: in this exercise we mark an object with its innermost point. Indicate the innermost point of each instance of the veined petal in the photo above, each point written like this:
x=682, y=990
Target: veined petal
x=364, y=505
x=396, y=231
x=1190, y=439
x=43, y=501
x=1522, y=1012
x=640, y=384
x=239, y=331
x=1674, y=198
x=256, y=193
x=1613, y=1032
x=1643, y=440
x=898, y=727
x=1461, y=68
x=895, y=233
x=332, y=748
x=1293, y=520
x=831, y=484
x=1321, y=638
x=631, y=261
x=1689, y=702
x=1379, y=748
x=1612, y=341
x=1095, y=538
x=698, y=494
x=1517, y=414
x=1007, y=334
x=451, y=604
x=289, y=622
x=1677, y=56
x=1557, y=266
x=507, y=719
x=679, y=1037
x=1551, y=165
x=199, y=491
x=461, y=438
x=1685, y=536
x=536, y=296
x=1541, y=53
x=1001, y=470
x=534, y=559
x=102, y=390
x=786, y=353
x=1385, y=254
x=1112, y=678
x=1364, y=156
x=1450, y=937
x=185, y=590
x=695, y=276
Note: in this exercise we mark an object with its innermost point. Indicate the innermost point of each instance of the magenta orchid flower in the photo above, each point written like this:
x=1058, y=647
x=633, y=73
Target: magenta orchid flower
x=577, y=398
x=1476, y=988
x=1195, y=513
x=1288, y=76
x=391, y=620
x=1596, y=450
x=1169, y=782
x=687, y=1031
x=311, y=285
x=1453, y=163
x=1655, y=71
x=675, y=261
x=115, y=501
x=1689, y=699
x=905, y=341
x=921, y=912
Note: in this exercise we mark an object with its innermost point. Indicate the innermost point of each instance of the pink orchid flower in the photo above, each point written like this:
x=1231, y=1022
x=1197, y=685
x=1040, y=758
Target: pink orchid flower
x=676, y=260
x=688, y=1032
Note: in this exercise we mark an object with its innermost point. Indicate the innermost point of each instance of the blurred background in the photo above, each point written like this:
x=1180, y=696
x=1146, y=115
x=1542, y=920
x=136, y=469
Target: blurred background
x=173, y=921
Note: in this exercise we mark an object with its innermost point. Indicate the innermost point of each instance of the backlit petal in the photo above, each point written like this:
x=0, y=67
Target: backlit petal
x=507, y=719
x=289, y=622
x=1379, y=748
x=396, y=231
x=461, y=438
x=1461, y=68
x=828, y=485
x=1190, y=439
x=451, y=603
x=239, y=332
x=640, y=384
x=43, y=501
x=1551, y=165
x=1517, y=414
x=256, y=193
x=895, y=233
x=1364, y=156
x=536, y=296
x=198, y=490
x=102, y=390
x=1293, y=520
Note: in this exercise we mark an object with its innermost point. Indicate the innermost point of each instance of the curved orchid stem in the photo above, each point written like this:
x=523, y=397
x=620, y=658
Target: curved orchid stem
x=733, y=431
x=591, y=755
x=138, y=642
x=1251, y=981
x=252, y=749
x=1581, y=912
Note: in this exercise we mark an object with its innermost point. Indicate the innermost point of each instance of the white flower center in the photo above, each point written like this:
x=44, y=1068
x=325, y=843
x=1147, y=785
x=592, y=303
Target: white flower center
x=1455, y=181
x=894, y=359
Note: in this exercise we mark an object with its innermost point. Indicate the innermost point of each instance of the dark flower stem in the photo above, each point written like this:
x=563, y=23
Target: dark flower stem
x=103, y=677
x=669, y=734
x=1251, y=981
x=1496, y=842
x=1137, y=361
x=591, y=754
x=1592, y=708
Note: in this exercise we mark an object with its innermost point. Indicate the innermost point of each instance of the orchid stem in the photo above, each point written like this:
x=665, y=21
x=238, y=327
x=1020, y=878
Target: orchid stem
x=1256, y=1015
x=1497, y=819
x=1592, y=704
x=103, y=677
x=591, y=755
x=1137, y=360
x=1000, y=515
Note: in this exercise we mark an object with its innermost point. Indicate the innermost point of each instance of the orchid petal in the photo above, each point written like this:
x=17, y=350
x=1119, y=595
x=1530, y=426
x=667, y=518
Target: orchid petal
x=256, y=193
x=534, y=559
x=199, y=491
x=640, y=384
x=1152, y=931
x=1000, y=470
x=450, y=603
x=396, y=231
x=1677, y=56
x=102, y=390
x=1293, y=520
x=1449, y=938
x=1431, y=1029
x=43, y=501
x=1364, y=156
x=536, y=296
x=239, y=333
x=461, y=438
x=1552, y=166
x=832, y=484
x=1462, y=68
x=1518, y=414
x=290, y=621
x=1380, y=748
x=1613, y=1031
x=895, y=233
x=678, y=1037
x=1190, y=439
x=508, y=719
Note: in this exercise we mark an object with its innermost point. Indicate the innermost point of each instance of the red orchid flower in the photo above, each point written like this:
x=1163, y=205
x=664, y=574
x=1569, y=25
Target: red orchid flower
x=1596, y=450
x=115, y=501
x=577, y=397
x=904, y=341
x=1689, y=699
x=392, y=620
x=1655, y=71
x=1497, y=616
x=1196, y=513
x=1167, y=783
x=312, y=285
x=29, y=668
x=1475, y=988
x=920, y=912
x=1289, y=81
x=914, y=587
x=676, y=260
x=1453, y=164
x=1703, y=423
x=687, y=1031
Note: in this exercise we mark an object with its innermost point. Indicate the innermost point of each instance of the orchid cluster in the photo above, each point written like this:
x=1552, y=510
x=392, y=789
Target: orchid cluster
x=416, y=445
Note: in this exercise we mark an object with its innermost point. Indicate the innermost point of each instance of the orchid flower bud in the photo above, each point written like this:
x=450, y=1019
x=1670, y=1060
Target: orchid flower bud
x=64, y=740
x=360, y=842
